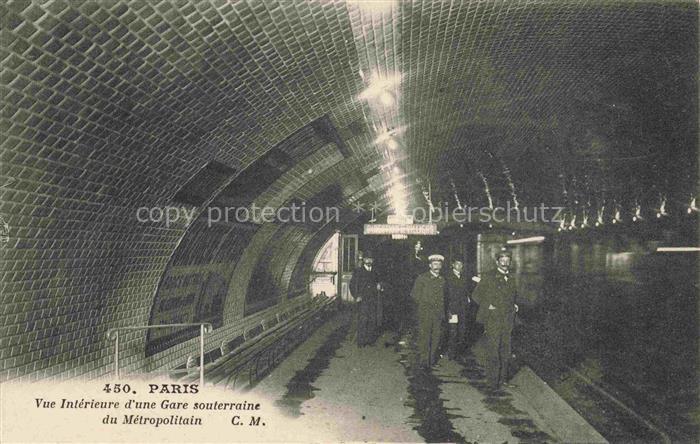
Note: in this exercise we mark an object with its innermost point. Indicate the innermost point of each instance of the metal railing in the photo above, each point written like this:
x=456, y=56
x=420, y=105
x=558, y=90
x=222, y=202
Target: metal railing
x=204, y=327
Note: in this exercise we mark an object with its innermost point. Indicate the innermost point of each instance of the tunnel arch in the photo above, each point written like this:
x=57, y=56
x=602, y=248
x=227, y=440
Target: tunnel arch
x=114, y=106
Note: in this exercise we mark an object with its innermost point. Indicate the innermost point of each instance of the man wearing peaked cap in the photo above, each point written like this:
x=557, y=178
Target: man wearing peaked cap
x=496, y=295
x=428, y=296
x=503, y=252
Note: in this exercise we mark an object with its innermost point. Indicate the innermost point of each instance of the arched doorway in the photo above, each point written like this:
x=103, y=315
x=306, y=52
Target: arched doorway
x=324, y=271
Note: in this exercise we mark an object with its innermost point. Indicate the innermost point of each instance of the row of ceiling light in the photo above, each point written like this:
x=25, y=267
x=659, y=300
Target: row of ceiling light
x=616, y=217
x=382, y=99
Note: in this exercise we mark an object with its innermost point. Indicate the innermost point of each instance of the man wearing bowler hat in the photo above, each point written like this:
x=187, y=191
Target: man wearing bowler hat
x=496, y=296
x=428, y=296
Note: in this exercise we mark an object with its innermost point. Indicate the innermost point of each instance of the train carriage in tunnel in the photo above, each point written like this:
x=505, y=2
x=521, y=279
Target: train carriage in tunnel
x=188, y=187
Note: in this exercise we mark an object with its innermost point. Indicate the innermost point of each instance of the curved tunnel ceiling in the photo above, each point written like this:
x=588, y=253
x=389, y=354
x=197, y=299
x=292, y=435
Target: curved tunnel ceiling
x=171, y=85
x=112, y=106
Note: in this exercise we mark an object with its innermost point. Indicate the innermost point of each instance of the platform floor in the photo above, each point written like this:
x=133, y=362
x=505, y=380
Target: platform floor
x=373, y=394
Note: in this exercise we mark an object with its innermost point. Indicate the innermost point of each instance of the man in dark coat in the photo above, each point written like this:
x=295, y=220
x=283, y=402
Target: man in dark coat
x=496, y=296
x=411, y=267
x=428, y=295
x=364, y=286
x=457, y=289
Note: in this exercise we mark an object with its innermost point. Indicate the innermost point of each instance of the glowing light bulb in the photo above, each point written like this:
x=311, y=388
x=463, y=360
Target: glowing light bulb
x=662, y=209
x=386, y=98
x=617, y=218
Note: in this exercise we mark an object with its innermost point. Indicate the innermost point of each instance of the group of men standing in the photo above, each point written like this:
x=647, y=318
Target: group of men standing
x=446, y=307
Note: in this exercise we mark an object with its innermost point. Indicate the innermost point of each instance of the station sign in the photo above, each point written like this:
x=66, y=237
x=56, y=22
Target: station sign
x=407, y=229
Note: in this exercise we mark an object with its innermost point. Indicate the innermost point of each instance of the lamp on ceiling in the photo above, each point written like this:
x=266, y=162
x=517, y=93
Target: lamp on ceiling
x=617, y=218
x=386, y=98
x=381, y=88
x=637, y=213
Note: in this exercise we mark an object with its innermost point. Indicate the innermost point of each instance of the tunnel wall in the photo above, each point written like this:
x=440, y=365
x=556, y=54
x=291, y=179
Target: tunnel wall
x=71, y=274
x=195, y=284
x=98, y=124
x=270, y=279
x=271, y=248
x=66, y=337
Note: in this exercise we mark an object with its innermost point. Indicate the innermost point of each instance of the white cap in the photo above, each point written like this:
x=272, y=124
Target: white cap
x=436, y=257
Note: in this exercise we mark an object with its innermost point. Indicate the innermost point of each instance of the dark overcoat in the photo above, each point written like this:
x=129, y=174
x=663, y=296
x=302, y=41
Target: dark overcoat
x=428, y=296
x=496, y=297
x=363, y=285
x=456, y=298
x=494, y=290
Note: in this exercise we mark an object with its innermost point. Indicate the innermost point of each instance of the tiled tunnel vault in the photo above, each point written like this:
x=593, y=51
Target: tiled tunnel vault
x=110, y=106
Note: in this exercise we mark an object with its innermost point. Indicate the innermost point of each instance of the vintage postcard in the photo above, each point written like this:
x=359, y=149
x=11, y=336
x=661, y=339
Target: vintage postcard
x=315, y=221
